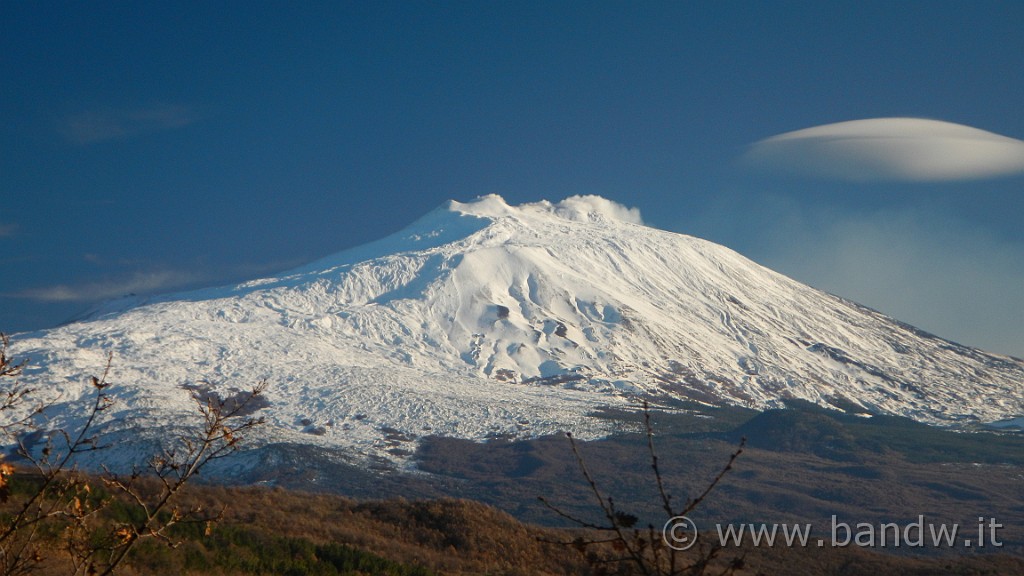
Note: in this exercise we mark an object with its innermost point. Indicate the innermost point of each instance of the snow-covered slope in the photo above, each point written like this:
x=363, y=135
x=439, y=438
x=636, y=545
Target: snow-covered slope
x=484, y=319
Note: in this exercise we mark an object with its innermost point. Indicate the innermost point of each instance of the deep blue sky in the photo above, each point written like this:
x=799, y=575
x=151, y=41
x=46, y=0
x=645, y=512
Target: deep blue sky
x=153, y=148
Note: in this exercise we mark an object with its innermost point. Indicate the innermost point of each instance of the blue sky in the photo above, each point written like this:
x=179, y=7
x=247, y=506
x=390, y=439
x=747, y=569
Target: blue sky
x=151, y=148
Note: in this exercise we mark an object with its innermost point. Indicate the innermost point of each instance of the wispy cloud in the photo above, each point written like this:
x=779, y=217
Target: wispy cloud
x=7, y=230
x=146, y=282
x=122, y=124
x=890, y=149
x=138, y=283
x=925, y=268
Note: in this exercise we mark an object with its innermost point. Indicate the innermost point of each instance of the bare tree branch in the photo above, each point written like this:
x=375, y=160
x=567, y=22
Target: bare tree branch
x=63, y=499
x=644, y=550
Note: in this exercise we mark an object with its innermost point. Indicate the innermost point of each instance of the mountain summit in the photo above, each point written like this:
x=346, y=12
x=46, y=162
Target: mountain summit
x=483, y=319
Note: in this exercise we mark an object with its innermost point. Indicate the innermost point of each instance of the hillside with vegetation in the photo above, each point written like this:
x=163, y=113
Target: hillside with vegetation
x=268, y=531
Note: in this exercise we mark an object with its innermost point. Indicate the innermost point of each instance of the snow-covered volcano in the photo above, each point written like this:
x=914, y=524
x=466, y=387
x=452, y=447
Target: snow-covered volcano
x=484, y=319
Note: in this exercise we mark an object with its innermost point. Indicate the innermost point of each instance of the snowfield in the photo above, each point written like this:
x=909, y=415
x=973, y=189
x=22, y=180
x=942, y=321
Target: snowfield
x=485, y=320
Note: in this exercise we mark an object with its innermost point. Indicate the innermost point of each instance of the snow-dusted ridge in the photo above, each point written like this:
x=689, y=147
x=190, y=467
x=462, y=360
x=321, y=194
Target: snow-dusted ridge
x=483, y=319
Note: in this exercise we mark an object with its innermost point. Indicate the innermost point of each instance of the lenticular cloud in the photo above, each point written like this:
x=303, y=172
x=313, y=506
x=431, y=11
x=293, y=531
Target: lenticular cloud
x=900, y=149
